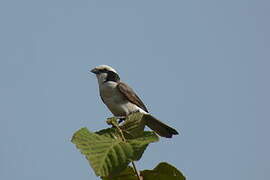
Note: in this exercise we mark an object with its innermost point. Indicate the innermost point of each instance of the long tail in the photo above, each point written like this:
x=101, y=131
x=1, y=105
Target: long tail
x=159, y=127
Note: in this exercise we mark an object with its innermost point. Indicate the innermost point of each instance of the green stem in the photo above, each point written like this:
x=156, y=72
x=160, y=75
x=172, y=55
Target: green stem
x=136, y=171
x=132, y=162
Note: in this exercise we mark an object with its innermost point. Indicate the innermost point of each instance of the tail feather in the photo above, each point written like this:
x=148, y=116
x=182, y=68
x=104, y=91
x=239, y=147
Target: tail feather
x=159, y=127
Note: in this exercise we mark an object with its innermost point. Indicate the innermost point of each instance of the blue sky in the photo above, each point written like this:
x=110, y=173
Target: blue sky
x=200, y=66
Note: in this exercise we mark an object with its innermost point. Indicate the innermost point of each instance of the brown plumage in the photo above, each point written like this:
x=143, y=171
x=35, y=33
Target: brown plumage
x=159, y=127
x=156, y=125
x=131, y=95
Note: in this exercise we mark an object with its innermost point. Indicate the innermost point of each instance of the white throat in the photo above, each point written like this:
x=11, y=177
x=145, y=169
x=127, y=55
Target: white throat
x=101, y=78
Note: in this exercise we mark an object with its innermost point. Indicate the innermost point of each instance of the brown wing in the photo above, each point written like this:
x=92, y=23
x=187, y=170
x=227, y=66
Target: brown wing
x=131, y=95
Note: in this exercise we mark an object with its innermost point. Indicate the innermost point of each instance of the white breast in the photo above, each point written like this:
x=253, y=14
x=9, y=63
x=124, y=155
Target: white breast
x=115, y=101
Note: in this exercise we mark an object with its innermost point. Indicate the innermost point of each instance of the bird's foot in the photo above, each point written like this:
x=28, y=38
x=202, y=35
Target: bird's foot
x=121, y=119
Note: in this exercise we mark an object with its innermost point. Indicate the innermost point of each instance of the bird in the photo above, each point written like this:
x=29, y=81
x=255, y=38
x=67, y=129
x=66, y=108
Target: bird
x=122, y=100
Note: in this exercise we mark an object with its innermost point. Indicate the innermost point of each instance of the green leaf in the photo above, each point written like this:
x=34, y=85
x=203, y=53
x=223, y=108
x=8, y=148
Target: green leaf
x=140, y=144
x=163, y=171
x=112, y=121
x=109, y=132
x=106, y=155
x=133, y=126
x=127, y=174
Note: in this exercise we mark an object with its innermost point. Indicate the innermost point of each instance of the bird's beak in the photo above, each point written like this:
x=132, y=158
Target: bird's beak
x=95, y=71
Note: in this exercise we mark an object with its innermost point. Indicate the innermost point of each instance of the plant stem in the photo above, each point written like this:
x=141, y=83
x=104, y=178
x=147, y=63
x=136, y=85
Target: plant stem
x=136, y=171
x=132, y=162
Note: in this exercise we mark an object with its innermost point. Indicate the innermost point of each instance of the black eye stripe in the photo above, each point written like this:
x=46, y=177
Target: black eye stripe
x=103, y=70
x=112, y=76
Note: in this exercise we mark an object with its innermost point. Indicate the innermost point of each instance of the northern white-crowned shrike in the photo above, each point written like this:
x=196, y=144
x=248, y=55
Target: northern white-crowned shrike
x=122, y=100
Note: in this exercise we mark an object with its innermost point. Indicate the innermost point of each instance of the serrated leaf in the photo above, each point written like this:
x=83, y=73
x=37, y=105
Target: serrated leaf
x=140, y=144
x=109, y=132
x=106, y=155
x=163, y=171
x=133, y=126
x=127, y=174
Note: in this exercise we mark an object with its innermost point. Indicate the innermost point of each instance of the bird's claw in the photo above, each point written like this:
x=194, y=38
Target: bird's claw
x=121, y=118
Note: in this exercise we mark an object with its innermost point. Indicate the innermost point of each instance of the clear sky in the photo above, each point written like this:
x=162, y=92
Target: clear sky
x=200, y=66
